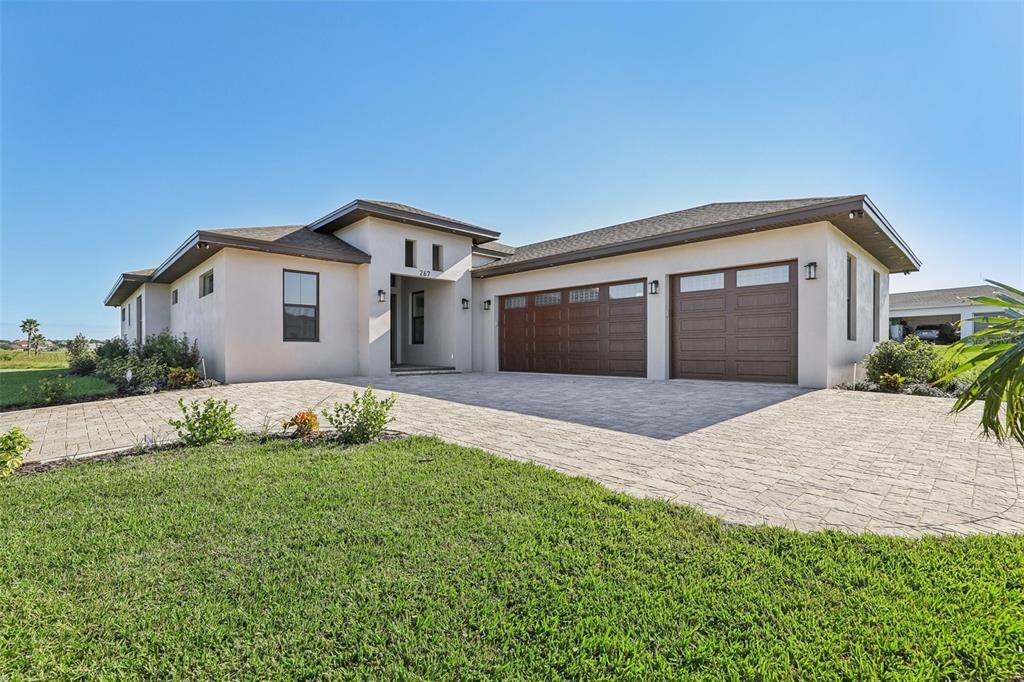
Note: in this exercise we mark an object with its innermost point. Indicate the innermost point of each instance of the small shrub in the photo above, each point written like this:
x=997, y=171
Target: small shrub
x=361, y=420
x=205, y=422
x=305, y=423
x=913, y=359
x=169, y=350
x=891, y=383
x=182, y=377
x=83, y=365
x=868, y=386
x=925, y=390
x=207, y=383
x=133, y=375
x=50, y=391
x=14, y=444
x=112, y=349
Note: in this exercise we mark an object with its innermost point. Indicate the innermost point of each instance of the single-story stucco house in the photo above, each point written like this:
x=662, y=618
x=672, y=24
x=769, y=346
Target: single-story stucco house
x=943, y=307
x=792, y=291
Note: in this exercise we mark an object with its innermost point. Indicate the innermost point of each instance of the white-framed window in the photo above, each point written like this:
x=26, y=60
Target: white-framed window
x=770, y=274
x=709, y=281
x=548, y=298
x=410, y=253
x=174, y=297
x=437, y=257
x=588, y=295
x=206, y=284
x=629, y=290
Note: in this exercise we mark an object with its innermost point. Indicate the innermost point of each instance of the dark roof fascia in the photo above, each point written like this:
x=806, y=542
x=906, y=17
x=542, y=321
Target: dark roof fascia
x=358, y=209
x=730, y=228
x=484, y=251
x=890, y=231
x=130, y=282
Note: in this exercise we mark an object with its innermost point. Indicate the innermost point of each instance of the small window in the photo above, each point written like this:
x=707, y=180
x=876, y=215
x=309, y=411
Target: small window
x=174, y=297
x=514, y=302
x=631, y=290
x=418, y=310
x=437, y=252
x=773, y=274
x=708, y=282
x=301, y=306
x=206, y=284
x=550, y=298
x=851, y=298
x=876, y=306
x=410, y=253
x=129, y=313
x=122, y=313
x=584, y=295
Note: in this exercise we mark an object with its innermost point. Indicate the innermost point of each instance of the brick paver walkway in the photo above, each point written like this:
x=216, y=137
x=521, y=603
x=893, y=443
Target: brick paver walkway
x=748, y=453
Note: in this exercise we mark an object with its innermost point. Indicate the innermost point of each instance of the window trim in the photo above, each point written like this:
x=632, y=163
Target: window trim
x=437, y=257
x=876, y=305
x=851, y=297
x=413, y=317
x=410, y=253
x=316, y=308
x=202, y=284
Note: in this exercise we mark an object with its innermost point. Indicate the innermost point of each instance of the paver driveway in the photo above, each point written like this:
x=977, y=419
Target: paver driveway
x=748, y=453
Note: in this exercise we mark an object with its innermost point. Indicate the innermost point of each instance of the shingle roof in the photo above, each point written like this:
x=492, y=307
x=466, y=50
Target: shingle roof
x=498, y=247
x=677, y=221
x=937, y=298
x=292, y=237
x=419, y=211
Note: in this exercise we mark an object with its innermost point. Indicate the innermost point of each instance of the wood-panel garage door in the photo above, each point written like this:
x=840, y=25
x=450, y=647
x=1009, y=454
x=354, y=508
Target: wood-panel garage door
x=736, y=324
x=597, y=329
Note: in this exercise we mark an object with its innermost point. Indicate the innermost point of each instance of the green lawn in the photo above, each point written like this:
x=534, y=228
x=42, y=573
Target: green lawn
x=420, y=560
x=13, y=383
x=19, y=359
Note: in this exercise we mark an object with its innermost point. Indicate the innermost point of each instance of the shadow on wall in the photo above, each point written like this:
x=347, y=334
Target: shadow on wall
x=655, y=409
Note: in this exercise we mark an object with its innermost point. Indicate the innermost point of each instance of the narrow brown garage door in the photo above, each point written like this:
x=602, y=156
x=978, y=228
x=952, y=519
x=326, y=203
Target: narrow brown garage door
x=735, y=324
x=596, y=329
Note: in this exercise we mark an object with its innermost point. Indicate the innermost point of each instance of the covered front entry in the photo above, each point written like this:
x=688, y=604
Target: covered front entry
x=736, y=324
x=594, y=329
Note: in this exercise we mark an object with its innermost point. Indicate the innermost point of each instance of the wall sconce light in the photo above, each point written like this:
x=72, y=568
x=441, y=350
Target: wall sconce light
x=856, y=214
x=811, y=270
x=487, y=304
x=382, y=296
x=465, y=304
x=652, y=286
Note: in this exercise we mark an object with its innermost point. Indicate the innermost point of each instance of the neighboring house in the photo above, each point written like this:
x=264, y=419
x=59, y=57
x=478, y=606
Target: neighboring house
x=942, y=307
x=787, y=291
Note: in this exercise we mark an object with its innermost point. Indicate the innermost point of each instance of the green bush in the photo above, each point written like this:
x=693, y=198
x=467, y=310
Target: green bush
x=112, y=349
x=361, y=420
x=205, y=422
x=913, y=359
x=133, y=375
x=169, y=350
x=50, y=391
x=14, y=444
x=182, y=377
x=83, y=365
x=891, y=383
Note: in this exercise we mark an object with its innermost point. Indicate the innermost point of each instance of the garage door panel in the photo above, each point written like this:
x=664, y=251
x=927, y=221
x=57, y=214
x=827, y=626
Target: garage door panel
x=743, y=333
x=576, y=330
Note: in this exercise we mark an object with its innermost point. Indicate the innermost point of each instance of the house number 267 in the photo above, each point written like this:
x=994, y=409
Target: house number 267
x=426, y=273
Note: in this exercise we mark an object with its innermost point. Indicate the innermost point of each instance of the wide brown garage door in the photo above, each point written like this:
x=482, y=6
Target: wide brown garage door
x=735, y=324
x=596, y=329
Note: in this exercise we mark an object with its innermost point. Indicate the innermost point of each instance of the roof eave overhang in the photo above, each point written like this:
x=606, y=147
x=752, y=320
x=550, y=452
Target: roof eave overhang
x=838, y=212
x=124, y=287
x=357, y=210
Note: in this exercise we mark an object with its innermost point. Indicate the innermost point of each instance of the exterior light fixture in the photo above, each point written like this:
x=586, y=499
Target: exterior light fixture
x=652, y=286
x=465, y=304
x=856, y=214
x=811, y=270
x=487, y=304
x=382, y=296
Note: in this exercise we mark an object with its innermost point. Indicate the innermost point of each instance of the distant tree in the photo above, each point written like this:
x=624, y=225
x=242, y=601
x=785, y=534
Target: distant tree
x=78, y=347
x=30, y=328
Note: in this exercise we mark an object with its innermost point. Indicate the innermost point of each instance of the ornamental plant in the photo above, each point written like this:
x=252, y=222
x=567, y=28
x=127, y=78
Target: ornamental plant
x=14, y=445
x=305, y=423
x=205, y=422
x=911, y=358
x=363, y=419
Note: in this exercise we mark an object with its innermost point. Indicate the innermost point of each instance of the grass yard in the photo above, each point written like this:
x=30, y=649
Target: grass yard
x=14, y=382
x=19, y=359
x=417, y=559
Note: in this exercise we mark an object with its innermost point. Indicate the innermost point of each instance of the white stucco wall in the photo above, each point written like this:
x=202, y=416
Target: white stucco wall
x=448, y=328
x=202, y=319
x=820, y=356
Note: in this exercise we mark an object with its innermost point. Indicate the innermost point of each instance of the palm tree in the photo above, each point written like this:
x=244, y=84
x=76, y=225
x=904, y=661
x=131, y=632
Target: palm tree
x=1000, y=385
x=30, y=328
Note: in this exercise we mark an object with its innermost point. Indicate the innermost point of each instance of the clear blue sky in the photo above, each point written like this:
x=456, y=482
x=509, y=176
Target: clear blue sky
x=127, y=126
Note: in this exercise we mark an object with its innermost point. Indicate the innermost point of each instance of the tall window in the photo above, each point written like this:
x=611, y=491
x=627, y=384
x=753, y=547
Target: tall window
x=417, y=317
x=851, y=298
x=174, y=297
x=438, y=257
x=206, y=284
x=876, y=306
x=410, y=253
x=122, y=313
x=301, y=306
